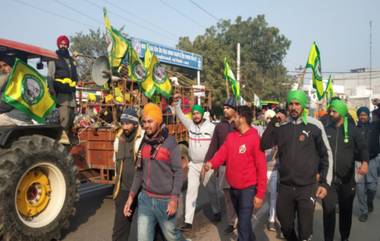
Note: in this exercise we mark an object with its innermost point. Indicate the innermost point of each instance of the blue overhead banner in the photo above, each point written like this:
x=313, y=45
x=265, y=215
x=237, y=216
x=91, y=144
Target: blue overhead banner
x=169, y=55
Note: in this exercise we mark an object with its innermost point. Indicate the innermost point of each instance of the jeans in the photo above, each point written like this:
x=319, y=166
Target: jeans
x=366, y=186
x=152, y=211
x=272, y=190
x=242, y=199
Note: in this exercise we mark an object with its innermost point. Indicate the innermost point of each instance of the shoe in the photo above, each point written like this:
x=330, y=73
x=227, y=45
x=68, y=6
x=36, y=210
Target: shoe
x=186, y=227
x=229, y=229
x=272, y=226
x=217, y=217
x=363, y=218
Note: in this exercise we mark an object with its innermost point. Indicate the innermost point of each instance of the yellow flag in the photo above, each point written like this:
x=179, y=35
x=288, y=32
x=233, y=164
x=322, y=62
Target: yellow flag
x=314, y=62
x=147, y=85
x=27, y=91
x=118, y=44
x=161, y=79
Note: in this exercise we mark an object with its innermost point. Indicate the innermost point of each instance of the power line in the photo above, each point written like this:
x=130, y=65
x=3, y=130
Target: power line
x=204, y=10
x=339, y=72
x=142, y=19
x=130, y=20
x=77, y=11
x=53, y=13
x=181, y=13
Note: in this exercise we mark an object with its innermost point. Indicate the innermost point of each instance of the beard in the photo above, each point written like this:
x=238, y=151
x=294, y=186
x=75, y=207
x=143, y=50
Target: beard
x=63, y=52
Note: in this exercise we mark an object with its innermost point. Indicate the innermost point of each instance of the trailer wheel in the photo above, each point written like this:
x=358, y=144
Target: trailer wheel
x=37, y=189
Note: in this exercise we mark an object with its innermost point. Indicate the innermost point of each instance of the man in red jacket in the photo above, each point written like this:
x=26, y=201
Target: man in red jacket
x=245, y=170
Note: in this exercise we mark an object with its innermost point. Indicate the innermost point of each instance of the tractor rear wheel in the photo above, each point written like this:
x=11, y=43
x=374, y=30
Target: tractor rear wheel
x=37, y=189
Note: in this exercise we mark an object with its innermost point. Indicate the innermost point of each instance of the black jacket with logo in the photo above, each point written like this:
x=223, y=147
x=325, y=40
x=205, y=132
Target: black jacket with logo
x=344, y=154
x=302, y=152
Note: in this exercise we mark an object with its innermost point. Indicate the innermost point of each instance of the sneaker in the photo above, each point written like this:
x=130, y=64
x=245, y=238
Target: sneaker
x=229, y=229
x=217, y=217
x=363, y=218
x=272, y=226
x=186, y=227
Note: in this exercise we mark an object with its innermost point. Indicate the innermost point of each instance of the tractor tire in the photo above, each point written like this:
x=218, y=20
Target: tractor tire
x=38, y=189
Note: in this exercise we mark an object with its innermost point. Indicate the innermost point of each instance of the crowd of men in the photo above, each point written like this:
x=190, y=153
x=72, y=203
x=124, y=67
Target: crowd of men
x=293, y=157
x=297, y=159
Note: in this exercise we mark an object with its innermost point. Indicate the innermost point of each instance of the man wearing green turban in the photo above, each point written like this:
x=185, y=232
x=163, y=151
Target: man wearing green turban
x=303, y=157
x=297, y=102
x=348, y=145
x=200, y=132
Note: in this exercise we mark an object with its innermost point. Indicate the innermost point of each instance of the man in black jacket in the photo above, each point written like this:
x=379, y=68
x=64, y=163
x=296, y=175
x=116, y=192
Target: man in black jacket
x=346, y=142
x=302, y=156
x=62, y=79
x=126, y=145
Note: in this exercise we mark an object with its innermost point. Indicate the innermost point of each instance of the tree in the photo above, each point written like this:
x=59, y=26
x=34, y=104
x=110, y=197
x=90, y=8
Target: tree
x=89, y=46
x=263, y=50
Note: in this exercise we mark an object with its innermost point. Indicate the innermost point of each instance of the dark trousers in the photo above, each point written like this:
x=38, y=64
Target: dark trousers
x=296, y=200
x=122, y=225
x=242, y=200
x=344, y=194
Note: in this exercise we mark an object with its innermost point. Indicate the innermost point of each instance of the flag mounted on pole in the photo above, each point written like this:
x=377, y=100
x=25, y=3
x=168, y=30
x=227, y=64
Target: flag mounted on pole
x=314, y=62
x=147, y=85
x=27, y=91
x=161, y=79
x=229, y=75
x=329, y=92
x=118, y=44
x=136, y=69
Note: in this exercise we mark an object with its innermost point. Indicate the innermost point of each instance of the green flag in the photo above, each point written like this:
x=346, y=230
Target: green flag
x=27, y=91
x=329, y=92
x=147, y=85
x=229, y=75
x=118, y=44
x=136, y=69
x=314, y=62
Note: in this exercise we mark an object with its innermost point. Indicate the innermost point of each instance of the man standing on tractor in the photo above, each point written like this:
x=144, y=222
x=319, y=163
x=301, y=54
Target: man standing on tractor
x=126, y=146
x=8, y=114
x=62, y=78
x=159, y=175
x=200, y=133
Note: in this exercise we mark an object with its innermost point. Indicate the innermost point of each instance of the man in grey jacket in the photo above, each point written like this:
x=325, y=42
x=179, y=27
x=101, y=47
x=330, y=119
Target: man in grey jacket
x=200, y=134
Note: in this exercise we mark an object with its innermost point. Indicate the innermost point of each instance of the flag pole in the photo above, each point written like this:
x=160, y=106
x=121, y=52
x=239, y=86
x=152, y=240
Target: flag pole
x=301, y=78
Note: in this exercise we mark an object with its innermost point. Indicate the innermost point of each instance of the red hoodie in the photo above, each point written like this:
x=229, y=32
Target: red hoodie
x=245, y=161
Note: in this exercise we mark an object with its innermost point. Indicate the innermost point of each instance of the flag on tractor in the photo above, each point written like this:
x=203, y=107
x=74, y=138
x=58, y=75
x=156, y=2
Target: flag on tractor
x=161, y=79
x=329, y=92
x=136, y=69
x=27, y=91
x=156, y=73
x=118, y=44
x=314, y=62
x=147, y=85
x=229, y=75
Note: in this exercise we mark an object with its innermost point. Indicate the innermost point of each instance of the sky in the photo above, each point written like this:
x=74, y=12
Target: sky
x=339, y=27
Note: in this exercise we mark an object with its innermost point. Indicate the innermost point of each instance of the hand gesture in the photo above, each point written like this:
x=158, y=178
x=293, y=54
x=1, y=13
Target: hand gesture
x=321, y=192
x=257, y=202
x=127, y=208
x=172, y=207
x=363, y=169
